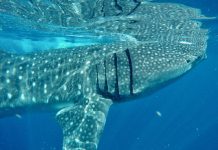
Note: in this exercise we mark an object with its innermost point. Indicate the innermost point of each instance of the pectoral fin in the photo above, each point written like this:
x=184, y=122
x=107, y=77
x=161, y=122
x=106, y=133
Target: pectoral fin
x=83, y=124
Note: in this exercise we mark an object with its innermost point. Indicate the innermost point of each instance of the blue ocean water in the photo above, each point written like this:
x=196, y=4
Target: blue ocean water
x=181, y=116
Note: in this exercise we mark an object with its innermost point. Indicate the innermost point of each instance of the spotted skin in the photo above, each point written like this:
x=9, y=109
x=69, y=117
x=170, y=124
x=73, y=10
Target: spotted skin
x=164, y=41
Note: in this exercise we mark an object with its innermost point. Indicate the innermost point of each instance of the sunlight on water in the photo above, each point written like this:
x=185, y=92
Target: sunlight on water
x=25, y=36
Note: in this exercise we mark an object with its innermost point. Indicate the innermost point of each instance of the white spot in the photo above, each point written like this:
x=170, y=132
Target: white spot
x=32, y=72
x=20, y=67
x=22, y=58
x=45, y=86
x=34, y=99
x=88, y=62
x=45, y=91
x=69, y=60
x=185, y=42
x=56, y=97
x=20, y=77
x=8, y=80
x=7, y=71
x=22, y=96
x=65, y=87
x=56, y=77
x=67, y=73
x=9, y=95
x=34, y=84
x=159, y=113
x=79, y=86
x=77, y=140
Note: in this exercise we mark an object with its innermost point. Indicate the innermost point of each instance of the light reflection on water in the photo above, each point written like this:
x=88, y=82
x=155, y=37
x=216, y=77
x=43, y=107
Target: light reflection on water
x=25, y=36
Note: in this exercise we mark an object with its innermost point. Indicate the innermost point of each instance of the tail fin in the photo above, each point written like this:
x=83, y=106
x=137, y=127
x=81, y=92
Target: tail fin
x=83, y=124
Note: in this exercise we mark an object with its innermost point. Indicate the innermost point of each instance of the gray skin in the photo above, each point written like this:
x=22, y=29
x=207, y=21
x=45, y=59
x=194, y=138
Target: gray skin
x=161, y=42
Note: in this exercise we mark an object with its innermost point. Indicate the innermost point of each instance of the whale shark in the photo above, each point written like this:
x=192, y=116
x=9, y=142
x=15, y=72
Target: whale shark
x=162, y=42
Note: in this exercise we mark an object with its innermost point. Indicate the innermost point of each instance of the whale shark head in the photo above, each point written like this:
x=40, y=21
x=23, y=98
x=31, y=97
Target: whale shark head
x=139, y=70
x=145, y=45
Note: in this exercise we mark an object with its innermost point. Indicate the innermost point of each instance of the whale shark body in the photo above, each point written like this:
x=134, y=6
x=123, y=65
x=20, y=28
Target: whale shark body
x=162, y=42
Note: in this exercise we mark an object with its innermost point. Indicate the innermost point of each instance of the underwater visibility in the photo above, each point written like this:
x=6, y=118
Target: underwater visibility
x=78, y=58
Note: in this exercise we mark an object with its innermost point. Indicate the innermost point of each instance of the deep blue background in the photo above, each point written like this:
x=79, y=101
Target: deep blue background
x=189, y=109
